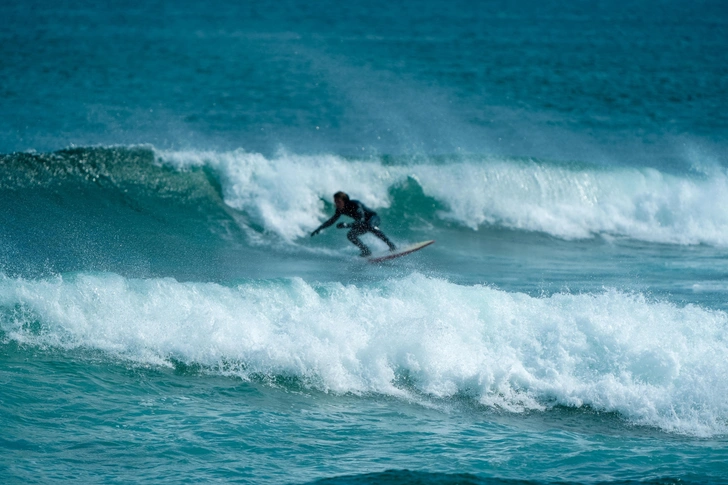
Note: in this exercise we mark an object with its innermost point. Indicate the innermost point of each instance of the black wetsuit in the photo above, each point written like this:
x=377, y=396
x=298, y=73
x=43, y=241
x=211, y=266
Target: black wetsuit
x=365, y=220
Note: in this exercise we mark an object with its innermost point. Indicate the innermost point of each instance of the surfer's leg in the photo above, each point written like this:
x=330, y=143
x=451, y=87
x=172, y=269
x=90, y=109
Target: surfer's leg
x=353, y=236
x=374, y=229
x=384, y=238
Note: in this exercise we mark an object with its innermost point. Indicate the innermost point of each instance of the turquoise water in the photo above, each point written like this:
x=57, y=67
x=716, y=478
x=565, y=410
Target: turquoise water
x=166, y=318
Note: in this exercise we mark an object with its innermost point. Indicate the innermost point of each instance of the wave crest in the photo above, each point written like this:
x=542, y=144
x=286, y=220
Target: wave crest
x=653, y=362
x=287, y=194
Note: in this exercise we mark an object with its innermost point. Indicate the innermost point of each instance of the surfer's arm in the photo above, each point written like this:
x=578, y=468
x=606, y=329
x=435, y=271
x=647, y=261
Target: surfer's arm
x=326, y=224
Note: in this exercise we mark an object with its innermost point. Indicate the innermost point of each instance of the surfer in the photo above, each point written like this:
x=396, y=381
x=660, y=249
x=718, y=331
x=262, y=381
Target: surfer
x=365, y=220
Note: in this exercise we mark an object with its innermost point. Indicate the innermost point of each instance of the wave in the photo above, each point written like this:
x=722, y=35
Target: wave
x=286, y=196
x=416, y=337
x=109, y=209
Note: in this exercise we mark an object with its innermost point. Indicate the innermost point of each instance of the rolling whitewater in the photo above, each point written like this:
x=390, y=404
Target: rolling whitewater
x=166, y=318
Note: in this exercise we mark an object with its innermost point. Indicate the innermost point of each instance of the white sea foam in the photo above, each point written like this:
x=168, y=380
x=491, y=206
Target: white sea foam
x=284, y=194
x=655, y=363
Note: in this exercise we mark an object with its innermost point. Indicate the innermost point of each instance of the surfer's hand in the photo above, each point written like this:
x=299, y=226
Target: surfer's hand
x=343, y=225
x=315, y=232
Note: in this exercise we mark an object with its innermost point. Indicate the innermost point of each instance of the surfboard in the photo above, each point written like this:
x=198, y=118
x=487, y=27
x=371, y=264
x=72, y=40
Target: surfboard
x=378, y=258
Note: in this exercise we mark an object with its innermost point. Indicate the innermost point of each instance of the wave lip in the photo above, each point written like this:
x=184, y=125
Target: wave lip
x=654, y=363
x=285, y=194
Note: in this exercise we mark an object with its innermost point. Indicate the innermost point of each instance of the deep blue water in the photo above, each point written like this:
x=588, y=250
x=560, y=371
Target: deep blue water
x=166, y=318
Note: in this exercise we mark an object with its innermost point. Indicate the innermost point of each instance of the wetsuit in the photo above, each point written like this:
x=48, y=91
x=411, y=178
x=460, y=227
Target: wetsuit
x=365, y=220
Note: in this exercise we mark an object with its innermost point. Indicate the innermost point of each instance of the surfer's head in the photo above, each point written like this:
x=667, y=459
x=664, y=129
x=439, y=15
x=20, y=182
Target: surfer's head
x=340, y=199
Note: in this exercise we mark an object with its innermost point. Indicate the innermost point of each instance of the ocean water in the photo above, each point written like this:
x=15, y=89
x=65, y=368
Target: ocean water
x=166, y=318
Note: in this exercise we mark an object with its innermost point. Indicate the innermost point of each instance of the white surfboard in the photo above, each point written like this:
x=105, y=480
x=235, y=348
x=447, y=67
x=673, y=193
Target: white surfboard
x=378, y=258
